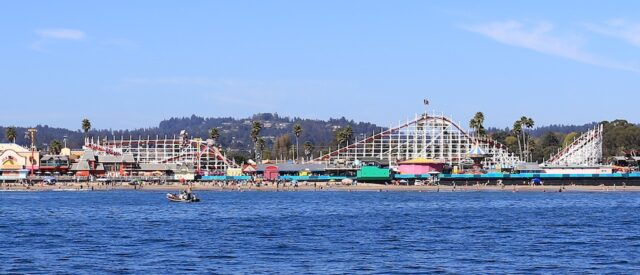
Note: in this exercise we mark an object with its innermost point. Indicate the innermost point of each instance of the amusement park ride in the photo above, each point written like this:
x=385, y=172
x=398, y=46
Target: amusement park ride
x=586, y=150
x=438, y=137
x=426, y=136
x=190, y=153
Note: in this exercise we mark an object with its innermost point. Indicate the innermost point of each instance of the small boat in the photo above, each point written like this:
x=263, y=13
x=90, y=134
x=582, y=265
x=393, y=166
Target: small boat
x=182, y=197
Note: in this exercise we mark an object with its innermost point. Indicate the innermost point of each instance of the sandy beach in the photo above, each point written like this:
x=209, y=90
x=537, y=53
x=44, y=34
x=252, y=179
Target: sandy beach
x=319, y=187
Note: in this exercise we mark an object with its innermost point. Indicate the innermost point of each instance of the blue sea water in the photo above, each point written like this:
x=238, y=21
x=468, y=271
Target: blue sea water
x=319, y=232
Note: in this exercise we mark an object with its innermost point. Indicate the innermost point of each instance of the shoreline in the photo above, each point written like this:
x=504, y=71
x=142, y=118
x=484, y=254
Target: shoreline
x=320, y=187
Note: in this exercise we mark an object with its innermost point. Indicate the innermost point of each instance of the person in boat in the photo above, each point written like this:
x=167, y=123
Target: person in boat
x=186, y=194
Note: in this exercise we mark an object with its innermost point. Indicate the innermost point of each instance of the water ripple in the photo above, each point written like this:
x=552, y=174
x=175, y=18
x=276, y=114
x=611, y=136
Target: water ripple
x=320, y=233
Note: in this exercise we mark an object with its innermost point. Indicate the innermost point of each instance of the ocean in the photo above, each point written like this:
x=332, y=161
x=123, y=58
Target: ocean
x=140, y=232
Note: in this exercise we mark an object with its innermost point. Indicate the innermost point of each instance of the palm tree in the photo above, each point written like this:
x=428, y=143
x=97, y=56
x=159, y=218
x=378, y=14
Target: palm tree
x=297, y=130
x=473, y=123
x=517, y=131
x=348, y=134
x=260, y=145
x=214, y=135
x=531, y=146
x=476, y=123
x=340, y=138
x=11, y=134
x=86, y=126
x=528, y=124
x=55, y=147
x=308, y=149
x=523, y=121
x=343, y=135
x=255, y=133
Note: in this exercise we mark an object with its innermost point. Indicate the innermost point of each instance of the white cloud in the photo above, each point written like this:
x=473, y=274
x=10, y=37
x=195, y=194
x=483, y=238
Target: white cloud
x=171, y=80
x=46, y=36
x=540, y=38
x=66, y=34
x=620, y=28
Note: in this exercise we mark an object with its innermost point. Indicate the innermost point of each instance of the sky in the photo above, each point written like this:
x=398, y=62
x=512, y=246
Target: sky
x=131, y=64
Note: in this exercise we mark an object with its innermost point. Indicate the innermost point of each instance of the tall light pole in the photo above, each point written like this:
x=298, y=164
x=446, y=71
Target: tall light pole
x=32, y=134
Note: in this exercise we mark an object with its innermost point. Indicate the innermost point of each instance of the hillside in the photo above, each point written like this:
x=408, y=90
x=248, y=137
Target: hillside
x=234, y=133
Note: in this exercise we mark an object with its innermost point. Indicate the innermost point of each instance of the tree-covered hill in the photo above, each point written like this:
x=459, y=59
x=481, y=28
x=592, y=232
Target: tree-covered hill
x=278, y=134
x=234, y=133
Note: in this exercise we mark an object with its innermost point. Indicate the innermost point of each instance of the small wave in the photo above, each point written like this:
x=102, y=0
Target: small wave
x=218, y=257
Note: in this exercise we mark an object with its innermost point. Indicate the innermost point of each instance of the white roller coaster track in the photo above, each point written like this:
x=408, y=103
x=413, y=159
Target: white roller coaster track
x=585, y=150
x=196, y=153
x=426, y=136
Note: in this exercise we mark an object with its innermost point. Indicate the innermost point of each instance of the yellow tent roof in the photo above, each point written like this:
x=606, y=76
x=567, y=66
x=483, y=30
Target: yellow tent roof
x=420, y=161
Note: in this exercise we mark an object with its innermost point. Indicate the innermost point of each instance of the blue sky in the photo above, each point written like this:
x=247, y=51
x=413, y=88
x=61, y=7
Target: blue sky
x=127, y=64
